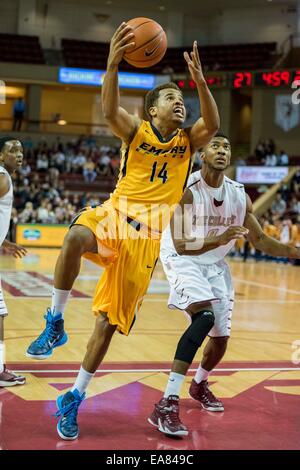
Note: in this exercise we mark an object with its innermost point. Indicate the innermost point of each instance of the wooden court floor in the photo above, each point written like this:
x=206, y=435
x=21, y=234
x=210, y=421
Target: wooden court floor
x=258, y=380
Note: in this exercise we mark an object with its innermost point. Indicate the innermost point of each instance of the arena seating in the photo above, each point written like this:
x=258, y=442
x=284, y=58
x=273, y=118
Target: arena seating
x=21, y=49
x=89, y=54
x=252, y=160
x=93, y=55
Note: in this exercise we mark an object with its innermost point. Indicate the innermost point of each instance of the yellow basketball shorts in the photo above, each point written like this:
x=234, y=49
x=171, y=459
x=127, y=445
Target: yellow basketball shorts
x=129, y=256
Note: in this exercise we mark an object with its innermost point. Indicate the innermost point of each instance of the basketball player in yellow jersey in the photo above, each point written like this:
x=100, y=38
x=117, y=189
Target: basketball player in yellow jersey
x=123, y=234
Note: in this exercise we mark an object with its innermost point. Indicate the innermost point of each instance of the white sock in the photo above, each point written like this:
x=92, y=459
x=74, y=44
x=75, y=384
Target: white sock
x=201, y=374
x=174, y=384
x=2, y=356
x=82, y=381
x=59, y=301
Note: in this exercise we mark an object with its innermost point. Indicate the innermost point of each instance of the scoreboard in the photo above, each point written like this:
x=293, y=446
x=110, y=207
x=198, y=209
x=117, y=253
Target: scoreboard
x=247, y=79
x=269, y=79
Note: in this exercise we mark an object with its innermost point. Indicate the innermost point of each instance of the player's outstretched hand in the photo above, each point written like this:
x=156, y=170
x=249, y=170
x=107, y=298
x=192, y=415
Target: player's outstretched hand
x=121, y=41
x=194, y=64
x=233, y=233
x=17, y=251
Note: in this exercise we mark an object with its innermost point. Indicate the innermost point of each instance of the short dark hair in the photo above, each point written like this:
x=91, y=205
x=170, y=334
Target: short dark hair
x=153, y=95
x=5, y=139
x=218, y=134
x=221, y=134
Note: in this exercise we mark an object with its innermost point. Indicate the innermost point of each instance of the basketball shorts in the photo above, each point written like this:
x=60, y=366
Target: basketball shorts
x=191, y=282
x=128, y=254
x=3, y=308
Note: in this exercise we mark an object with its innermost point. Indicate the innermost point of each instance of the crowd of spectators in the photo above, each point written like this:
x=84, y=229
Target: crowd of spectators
x=83, y=155
x=267, y=153
x=39, y=188
x=281, y=222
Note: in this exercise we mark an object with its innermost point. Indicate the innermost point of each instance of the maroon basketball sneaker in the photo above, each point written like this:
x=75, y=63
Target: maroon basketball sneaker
x=165, y=417
x=201, y=393
x=9, y=378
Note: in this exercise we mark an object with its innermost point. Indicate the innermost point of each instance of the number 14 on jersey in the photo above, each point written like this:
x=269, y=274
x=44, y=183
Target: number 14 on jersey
x=162, y=173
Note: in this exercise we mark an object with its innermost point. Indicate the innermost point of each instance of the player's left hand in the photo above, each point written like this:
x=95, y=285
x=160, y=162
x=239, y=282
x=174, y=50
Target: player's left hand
x=17, y=251
x=194, y=64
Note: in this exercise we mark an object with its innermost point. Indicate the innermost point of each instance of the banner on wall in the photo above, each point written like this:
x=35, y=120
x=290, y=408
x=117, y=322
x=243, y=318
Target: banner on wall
x=41, y=235
x=261, y=174
x=74, y=76
x=287, y=114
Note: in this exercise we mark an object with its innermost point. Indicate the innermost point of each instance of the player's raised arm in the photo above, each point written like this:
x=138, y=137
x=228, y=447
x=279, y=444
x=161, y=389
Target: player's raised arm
x=263, y=242
x=123, y=124
x=207, y=125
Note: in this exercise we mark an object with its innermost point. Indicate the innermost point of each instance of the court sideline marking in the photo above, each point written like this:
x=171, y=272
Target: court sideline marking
x=104, y=371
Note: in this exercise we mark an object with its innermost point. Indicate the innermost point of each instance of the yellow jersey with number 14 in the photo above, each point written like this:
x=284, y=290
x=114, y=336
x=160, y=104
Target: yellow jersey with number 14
x=153, y=176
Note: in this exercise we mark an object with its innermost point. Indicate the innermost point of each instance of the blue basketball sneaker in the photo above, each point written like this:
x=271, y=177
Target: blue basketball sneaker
x=52, y=337
x=68, y=405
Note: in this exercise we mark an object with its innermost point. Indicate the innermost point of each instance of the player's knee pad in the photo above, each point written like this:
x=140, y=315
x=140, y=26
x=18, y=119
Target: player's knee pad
x=191, y=340
x=202, y=323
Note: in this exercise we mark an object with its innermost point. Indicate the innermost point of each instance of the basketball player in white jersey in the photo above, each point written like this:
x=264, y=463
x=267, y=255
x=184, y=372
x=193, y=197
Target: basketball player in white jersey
x=214, y=212
x=11, y=156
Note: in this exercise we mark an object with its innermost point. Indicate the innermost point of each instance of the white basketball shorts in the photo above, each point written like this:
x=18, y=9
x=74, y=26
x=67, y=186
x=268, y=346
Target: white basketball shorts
x=3, y=308
x=191, y=282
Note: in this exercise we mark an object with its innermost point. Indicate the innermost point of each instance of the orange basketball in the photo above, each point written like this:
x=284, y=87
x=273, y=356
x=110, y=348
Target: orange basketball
x=150, y=43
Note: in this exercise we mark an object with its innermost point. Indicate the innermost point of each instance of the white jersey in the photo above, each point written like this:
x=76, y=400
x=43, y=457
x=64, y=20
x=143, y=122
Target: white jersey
x=6, y=203
x=214, y=211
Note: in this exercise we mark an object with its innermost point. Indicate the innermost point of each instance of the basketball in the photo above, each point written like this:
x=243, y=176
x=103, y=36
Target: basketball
x=150, y=43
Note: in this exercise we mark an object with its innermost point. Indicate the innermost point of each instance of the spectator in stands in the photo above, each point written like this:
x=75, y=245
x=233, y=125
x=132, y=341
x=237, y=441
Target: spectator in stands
x=89, y=172
x=279, y=205
x=285, y=192
x=18, y=114
x=53, y=176
x=296, y=233
x=79, y=161
x=26, y=214
x=283, y=158
x=263, y=188
x=260, y=150
x=285, y=234
x=294, y=205
x=270, y=146
x=296, y=182
x=51, y=215
x=104, y=164
x=23, y=195
x=42, y=212
x=42, y=163
x=25, y=169
x=58, y=159
x=91, y=141
x=104, y=149
x=270, y=229
x=271, y=160
x=57, y=144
